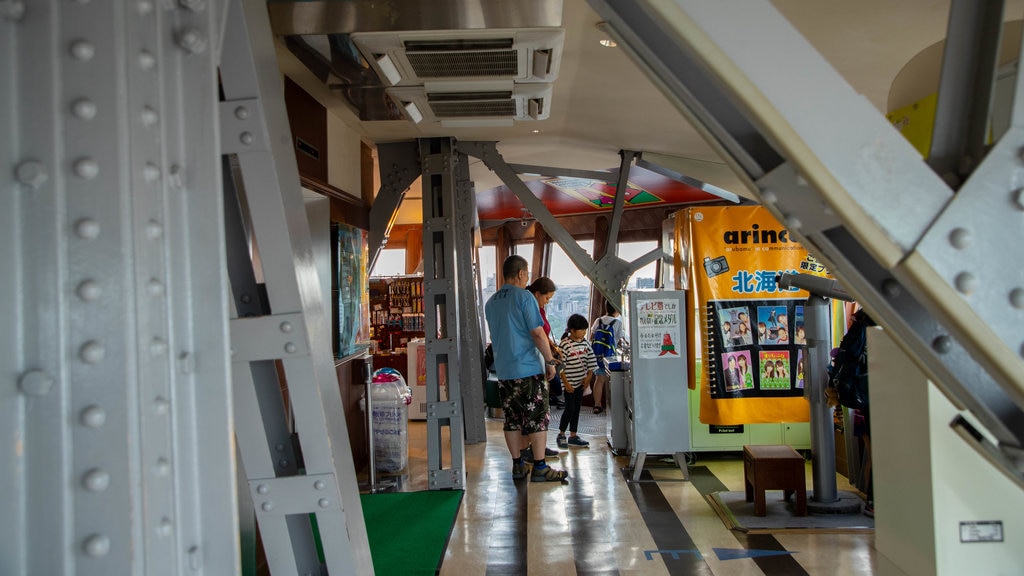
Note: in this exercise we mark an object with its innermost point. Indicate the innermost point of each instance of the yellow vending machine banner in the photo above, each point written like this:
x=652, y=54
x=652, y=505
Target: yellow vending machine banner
x=752, y=329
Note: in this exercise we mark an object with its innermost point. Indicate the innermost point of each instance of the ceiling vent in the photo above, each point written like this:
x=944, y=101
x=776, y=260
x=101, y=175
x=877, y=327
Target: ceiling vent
x=417, y=57
x=466, y=103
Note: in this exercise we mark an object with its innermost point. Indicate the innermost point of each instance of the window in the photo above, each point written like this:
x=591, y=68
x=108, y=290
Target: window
x=573, y=294
x=391, y=262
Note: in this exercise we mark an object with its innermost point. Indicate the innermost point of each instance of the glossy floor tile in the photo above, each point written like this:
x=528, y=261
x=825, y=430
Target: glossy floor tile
x=601, y=523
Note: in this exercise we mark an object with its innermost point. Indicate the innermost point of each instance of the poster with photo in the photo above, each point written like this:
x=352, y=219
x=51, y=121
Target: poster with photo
x=746, y=318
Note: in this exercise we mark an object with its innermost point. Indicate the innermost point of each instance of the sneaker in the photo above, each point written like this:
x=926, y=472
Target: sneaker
x=519, y=470
x=548, y=474
x=561, y=441
x=549, y=452
x=577, y=441
x=526, y=454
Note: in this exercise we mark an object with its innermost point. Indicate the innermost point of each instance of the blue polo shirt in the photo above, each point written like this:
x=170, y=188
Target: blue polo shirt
x=512, y=313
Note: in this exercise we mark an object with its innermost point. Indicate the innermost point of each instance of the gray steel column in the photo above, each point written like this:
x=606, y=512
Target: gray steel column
x=471, y=351
x=115, y=404
x=817, y=328
x=442, y=308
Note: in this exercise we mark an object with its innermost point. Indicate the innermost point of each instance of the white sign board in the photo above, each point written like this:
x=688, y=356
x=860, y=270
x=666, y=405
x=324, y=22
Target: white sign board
x=657, y=329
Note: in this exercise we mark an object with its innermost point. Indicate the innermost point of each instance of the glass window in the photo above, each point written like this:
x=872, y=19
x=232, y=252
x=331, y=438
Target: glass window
x=391, y=262
x=573, y=294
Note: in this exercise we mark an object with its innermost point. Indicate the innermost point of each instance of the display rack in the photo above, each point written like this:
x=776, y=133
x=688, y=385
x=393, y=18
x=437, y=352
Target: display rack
x=396, y=311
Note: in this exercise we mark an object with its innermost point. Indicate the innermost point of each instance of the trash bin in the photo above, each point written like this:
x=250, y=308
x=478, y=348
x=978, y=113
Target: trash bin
x=390, y=398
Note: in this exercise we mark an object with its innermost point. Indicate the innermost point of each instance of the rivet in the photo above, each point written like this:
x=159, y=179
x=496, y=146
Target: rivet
x=190, y=40
x=891, y=288
x=164, y=528
x=149, y=116
x=84, y=109
x=290, y=347
x=96, y=480
x=960, y=238
x=151, y=172
x=241, y=112
x=966, y=283
x=155, y=288
x=82, y=50
x=323, y=502
x=158, y=347
x=162, y=467
x=154, y=230
x=286, y=327
x=793, y=223
x=31, y=173
x=12, y=10
x=92, y=352
x=87, y=228
x=267, y=506
x=35, y=383
x=161, y=406
x=246, y=138
x=1017, y=298
x=176, y=176
x=282, y=463
x=93, y=416
x=146, y=60
x=144, y=6
x=801, y=181
x=86, y=168
x=319, y=484
x=280, y=447
x=1018, y=198
x=942, y=344
x=262, y=489
x=246, y=299
x=89, y=290
x=96, y=545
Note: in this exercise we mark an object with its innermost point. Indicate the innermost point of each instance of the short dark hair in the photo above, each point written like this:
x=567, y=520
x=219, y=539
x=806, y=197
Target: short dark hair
x=512, y=265
x=542, y=285
x=609, y=309
x=576, y=322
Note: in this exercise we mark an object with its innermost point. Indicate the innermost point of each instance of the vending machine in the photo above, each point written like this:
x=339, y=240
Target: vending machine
x=657, y=409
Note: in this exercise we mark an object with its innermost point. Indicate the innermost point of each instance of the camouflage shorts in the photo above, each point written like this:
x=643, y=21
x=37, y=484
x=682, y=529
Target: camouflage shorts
x=525, y=403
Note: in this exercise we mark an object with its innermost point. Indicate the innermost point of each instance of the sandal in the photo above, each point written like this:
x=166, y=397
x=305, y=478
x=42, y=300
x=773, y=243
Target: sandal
x=548, y=474
x=598, y=409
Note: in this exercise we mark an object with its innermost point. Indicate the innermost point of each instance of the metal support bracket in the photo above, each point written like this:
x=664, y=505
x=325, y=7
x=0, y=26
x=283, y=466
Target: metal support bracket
x=268, y=338
x=295, y=495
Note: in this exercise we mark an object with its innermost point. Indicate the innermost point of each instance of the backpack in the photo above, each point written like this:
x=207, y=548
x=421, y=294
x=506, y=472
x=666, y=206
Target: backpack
x=603, y=340
x=848, y=373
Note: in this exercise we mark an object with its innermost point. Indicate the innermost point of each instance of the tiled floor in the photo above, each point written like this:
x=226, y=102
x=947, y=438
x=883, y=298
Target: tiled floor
x=598, y=523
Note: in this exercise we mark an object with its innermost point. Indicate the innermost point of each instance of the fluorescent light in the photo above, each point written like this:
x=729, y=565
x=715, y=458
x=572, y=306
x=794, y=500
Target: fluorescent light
x=413, y=112
x=389, y=70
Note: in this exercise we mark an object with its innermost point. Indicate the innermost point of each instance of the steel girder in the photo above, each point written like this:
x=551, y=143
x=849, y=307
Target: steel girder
x=925, y=263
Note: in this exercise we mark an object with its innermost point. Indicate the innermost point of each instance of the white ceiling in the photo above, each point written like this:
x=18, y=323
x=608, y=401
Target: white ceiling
x=602, y=103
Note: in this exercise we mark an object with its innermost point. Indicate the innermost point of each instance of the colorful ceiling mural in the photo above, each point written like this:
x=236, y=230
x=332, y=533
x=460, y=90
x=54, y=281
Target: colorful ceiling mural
x=565, y=196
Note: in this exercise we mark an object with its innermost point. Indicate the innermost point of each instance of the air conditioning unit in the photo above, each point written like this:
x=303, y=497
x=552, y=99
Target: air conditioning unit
x=466, y=103
x=417, y=57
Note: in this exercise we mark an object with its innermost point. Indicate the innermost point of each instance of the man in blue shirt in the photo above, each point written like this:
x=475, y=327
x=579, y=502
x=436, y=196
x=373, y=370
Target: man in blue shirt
x=517, y=335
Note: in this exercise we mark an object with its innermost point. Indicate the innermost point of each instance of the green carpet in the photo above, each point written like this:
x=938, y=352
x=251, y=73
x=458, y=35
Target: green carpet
x=409, y=531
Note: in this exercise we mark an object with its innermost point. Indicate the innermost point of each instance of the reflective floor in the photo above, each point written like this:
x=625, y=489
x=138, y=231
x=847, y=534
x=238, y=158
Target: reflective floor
x=600, y=523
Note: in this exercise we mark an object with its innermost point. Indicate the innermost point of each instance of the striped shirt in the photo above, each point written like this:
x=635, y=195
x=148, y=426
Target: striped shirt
x=578, y=359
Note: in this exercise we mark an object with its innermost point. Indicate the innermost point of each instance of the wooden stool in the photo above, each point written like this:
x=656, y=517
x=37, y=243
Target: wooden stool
x=776, y=467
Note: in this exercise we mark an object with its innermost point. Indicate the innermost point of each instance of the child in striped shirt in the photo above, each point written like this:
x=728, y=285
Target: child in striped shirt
x=577, y=372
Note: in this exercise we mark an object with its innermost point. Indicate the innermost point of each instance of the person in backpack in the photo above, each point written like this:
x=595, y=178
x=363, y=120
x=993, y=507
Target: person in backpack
x=848, y=386
x=604, y=333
